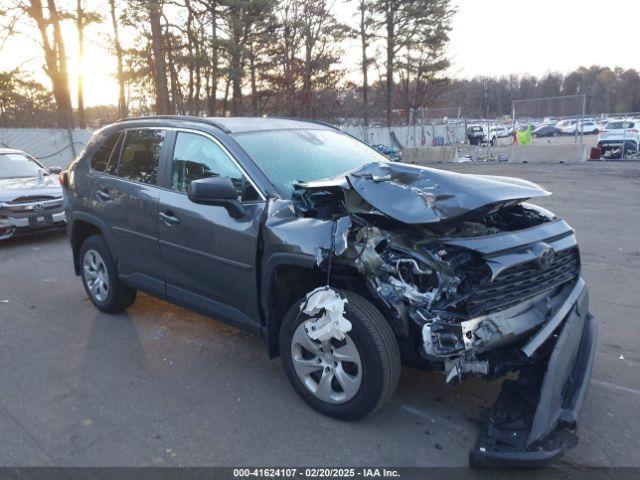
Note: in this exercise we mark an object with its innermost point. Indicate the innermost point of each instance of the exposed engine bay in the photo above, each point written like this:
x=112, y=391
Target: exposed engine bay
x=474, y=282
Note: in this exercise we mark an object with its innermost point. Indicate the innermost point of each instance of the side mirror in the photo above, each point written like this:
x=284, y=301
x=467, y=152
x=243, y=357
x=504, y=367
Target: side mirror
x=216, y=191
x=56, y=170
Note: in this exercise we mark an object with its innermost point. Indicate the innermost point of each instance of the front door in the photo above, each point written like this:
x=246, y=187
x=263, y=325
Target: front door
x=209, y=257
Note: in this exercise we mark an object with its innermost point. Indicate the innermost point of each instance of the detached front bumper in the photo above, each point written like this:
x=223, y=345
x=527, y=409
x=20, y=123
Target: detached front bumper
x=535, y=417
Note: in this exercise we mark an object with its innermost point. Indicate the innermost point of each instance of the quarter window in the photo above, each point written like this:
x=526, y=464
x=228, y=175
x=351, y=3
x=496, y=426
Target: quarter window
x=196, y=156
x=101, y=157
x=112, y=166
x=141, y=154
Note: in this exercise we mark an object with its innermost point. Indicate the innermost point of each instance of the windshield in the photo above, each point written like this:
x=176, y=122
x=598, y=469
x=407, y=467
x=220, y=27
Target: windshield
x=619, y=125
x=290, y=156
x=15, y=165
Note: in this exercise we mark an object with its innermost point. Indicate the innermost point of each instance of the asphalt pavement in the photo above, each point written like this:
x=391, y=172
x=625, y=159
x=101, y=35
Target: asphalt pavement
x=159, y=385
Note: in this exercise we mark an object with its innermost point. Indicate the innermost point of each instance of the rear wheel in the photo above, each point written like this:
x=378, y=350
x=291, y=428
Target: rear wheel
x=100, y=277
x=345, y=379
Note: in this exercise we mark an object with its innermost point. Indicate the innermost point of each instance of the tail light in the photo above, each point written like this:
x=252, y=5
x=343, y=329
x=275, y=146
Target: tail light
x=62, y=178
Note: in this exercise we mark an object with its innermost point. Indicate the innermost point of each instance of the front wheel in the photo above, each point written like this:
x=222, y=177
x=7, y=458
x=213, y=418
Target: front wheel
x=345, y=379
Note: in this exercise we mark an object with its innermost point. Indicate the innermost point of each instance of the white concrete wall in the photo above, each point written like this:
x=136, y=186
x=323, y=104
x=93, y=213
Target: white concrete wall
x=560, y=153
x=422, y=156
x=51, y=145
x=408, y=136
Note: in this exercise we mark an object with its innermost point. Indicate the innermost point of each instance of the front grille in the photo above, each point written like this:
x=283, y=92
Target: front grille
x=39, y=198
x=516, y=284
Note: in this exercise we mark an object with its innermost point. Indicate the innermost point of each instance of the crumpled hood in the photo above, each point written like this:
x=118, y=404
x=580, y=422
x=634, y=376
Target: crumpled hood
x=416, y=195
x=47, y=185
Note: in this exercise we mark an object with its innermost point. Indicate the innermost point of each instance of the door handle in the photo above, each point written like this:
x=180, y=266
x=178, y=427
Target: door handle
x=168, y=219
x=104, y=195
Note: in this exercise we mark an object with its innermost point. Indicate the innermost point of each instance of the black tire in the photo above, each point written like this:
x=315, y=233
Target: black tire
x=119, y=297
x=378, y=349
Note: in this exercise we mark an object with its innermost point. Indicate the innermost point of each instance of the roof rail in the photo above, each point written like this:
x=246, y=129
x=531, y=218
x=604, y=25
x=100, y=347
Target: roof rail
x=319, y=122
x=207, y=120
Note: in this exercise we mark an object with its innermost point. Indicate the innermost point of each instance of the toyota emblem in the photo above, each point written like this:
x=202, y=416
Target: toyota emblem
x=545, y=259
x=38, y=206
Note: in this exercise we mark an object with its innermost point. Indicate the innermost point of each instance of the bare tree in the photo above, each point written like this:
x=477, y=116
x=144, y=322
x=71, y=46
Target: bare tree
x=82, y=123
x=83, y=19
x=154, y=10
x=122, y=101
x=54, y=54
x=365, y=26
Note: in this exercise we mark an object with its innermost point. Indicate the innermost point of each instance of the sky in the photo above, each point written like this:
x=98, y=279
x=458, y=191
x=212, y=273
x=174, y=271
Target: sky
x=498, y=37
x=489, y=37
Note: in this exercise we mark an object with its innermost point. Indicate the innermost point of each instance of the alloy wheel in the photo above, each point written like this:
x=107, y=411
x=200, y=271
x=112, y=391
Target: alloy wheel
x=96, y=275
x=331, y=370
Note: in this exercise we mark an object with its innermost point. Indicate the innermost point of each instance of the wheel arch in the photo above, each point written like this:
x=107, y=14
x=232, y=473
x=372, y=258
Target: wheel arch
x=286, y=278
x=82, y=227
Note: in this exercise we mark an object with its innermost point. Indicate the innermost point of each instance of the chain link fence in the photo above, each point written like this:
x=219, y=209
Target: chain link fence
x=52, y=146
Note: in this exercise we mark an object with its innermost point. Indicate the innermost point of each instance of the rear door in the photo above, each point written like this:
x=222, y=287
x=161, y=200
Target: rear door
x=127, y=196
x=209, y=257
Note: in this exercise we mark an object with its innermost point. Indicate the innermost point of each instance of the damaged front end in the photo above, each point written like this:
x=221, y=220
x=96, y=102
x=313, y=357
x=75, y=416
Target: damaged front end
x=474, y=282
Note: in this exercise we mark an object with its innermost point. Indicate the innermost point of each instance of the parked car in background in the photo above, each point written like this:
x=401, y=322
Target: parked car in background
x=501, y=131
x=521, y=127
x=30, y=195
x=480, y=134
x=392, y=153
x=572, y=126
x=620, y=138
x=548, y=130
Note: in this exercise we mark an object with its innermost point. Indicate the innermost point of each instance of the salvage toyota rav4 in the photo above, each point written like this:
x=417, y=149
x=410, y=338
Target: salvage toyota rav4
x=346, y=263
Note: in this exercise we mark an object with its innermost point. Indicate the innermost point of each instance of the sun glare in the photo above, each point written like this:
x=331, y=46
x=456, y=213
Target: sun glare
x=98, y=68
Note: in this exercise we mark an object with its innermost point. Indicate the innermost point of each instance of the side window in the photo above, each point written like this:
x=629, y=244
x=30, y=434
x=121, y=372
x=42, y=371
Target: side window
x=101, y=157
x=196, y=156
x=141, y=154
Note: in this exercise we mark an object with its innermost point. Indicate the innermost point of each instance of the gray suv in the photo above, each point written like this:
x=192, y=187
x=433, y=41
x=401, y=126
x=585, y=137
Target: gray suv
x=347, y=264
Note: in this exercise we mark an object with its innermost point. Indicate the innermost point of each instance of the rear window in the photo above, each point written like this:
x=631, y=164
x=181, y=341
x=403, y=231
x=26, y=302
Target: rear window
x=141, y=154
x=619, y=125
x=100, y=159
